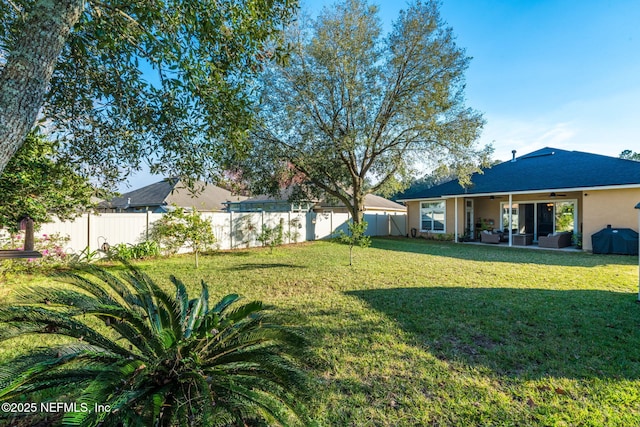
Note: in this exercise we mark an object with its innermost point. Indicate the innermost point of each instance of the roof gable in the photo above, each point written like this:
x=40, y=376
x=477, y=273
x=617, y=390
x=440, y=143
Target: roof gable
x=542, y=170
x=150, y=195
x=207, y=197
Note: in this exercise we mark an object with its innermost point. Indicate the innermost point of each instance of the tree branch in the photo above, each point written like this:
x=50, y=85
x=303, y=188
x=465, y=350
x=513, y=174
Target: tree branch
x=16, y=8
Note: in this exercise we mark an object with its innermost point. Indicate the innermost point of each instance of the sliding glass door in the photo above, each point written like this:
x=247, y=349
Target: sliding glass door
x=565, y=216
x=541, y=218
x=545, y=216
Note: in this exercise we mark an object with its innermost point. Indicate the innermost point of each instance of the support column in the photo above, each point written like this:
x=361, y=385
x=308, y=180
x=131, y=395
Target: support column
x=510, y=219
x=638, y=207
x=455, y=228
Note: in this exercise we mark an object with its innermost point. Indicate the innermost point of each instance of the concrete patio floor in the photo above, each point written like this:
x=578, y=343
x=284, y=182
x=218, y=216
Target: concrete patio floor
x=532, y=246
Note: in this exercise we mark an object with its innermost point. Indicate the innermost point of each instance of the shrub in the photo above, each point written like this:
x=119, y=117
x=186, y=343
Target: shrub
x=152, y=358
x=179, y=228
x=440, y=237
x=51, y=246
x=272, y=237
x=142, y=250
x=293, y=233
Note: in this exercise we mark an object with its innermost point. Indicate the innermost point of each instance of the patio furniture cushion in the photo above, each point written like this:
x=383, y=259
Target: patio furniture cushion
x=489, y=237
x=555, y=240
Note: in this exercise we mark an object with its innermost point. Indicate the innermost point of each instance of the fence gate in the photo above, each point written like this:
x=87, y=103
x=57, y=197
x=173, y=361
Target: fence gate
x=398, y=225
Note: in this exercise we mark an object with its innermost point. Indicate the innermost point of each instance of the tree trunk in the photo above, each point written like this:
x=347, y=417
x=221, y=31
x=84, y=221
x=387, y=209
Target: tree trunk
x=29, y=235
x=25, y=77
x=358, y=206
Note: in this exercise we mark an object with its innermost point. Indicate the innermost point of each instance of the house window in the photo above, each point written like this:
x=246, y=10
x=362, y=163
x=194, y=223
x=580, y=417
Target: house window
x=432, y=216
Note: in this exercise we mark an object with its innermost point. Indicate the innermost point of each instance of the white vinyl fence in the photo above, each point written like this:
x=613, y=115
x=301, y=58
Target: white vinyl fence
x=232, y=229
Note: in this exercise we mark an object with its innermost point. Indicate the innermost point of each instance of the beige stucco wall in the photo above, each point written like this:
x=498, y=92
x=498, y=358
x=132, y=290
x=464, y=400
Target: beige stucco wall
x=596, y=209
x=604, y=207
x=487, y=209
x=413, y=216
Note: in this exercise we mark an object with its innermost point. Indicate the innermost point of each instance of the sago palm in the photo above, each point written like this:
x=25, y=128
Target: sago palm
x=154, y=359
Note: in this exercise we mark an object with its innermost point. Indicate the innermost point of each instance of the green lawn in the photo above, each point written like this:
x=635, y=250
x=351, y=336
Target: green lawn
x=424, y=333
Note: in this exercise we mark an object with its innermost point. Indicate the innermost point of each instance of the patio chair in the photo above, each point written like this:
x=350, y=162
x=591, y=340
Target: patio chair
x=487, y=236
x=555, y=240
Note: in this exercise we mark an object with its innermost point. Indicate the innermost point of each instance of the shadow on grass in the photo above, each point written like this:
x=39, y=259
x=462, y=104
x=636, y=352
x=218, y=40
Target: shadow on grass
x=262, y=266
x=520, y=333
x=501, y=253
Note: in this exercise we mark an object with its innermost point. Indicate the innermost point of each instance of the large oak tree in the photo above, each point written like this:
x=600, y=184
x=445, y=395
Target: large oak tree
x=122, y=82
x=356, y=113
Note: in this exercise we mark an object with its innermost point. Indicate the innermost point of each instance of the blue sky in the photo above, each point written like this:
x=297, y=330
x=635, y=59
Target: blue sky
x=558, y=73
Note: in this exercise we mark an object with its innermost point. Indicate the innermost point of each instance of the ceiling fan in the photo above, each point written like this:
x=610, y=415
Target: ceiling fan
x=557, y=195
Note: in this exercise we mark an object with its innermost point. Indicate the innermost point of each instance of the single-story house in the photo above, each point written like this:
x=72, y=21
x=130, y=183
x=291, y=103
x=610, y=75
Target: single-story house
x=372, y=204
x=158, y=198
x=541, y=193
x=264, y=203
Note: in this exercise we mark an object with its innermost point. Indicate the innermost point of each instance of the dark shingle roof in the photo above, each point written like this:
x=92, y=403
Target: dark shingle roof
x=150, y=195
x=371, y=202
x=541, y=170
x=172, y=191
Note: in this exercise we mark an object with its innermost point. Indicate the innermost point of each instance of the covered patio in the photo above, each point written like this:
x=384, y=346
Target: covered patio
x=533, y=246
x=531, y=200
x=520, y=219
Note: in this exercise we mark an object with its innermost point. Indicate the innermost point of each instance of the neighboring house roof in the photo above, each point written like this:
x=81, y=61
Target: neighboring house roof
x=371, y=202
x=546, y=169
x=262, y=198
x=170, y=191
x=278, y=203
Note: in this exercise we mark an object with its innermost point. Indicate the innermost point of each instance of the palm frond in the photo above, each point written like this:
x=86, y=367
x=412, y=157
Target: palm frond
x=162, y=302
x=196, y=312
x=182, y=298
x=130, y=324
x=225, y=303
x=39, y=369
x=57, y=323
x=255, y=403
x=153, y=358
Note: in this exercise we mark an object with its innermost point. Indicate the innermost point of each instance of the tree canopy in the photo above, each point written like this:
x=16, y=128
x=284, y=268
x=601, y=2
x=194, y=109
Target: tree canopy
x=122, y=83
x=630, y=155
x=355, y=112
x=37, y=185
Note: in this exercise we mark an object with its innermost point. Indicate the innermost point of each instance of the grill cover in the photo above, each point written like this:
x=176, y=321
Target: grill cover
x=622, y=241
